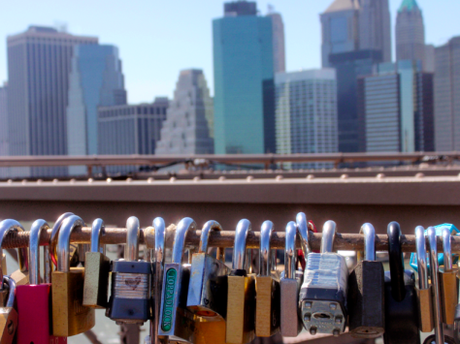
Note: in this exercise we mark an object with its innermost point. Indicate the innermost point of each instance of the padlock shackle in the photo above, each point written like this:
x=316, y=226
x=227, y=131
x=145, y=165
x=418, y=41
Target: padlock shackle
x=34, y=250
x=239, y=261
x=265, y=253
x=97, y=229
x=422, y=266
x=55, y=235
x=159, y=249
x=447, y=249
x=182, y=229
x=302, y=227
x=11, y=290
x=204, y=239
x=133, y=231
x=290, y=251
x=369, y=242
x=327, y=241
x=398, y=290
x=63, y=245
x=7, y=226
x=432, y=247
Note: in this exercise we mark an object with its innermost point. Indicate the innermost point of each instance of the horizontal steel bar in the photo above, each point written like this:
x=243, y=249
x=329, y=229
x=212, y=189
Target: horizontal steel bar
x=343, y=241
x=105, y=160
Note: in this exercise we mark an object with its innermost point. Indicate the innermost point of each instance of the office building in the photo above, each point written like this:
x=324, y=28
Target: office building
x=279, y=59
x=130, y=129
x=306, y=113
x=4, y=172
x=244, y=119
x=39, y=65
x=395, y=104
x=447, y=96
x=428, y=63
x=410, y=32
x=96, y=80
x=189, y=116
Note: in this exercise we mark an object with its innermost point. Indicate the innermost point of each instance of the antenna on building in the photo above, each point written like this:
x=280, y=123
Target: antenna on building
x=270, y=9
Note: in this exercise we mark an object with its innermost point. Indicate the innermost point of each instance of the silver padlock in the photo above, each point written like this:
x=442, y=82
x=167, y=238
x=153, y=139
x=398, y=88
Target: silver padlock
x=324, y=291
x=207, y=291
x=290, y=282
x=177, y=323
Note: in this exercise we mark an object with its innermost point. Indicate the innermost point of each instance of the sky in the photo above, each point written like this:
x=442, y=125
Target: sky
x=157, y=39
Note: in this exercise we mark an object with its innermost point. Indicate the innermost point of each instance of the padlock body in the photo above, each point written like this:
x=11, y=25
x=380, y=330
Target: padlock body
x=366, y=300
x=240, y=308
x=130, y=299
x=324, y=293
x=176, y=322
x=70, y=317
x=8, y=324
x=449, y=298
x=267, y=306
x=207, y=292
x=95, y=289
x=425, y=309
x=210, y=332
x=402, y=317
x=21, y=278
x=34, y=326
x=290, y=325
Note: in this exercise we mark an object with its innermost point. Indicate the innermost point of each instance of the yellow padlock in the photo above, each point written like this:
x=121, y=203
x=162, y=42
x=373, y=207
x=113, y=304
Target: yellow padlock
x=241, y=291
x=448, y=281
x=70, y=317
x=267, y=287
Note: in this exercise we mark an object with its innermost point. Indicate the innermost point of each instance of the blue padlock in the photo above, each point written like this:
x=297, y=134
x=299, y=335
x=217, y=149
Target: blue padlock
x=453, y=231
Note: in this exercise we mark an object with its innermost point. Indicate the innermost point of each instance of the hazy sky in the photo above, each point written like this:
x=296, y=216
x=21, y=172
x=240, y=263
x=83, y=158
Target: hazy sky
x=158, y=38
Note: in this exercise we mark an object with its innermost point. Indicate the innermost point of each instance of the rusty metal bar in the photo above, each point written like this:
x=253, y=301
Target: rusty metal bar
x=343, y=241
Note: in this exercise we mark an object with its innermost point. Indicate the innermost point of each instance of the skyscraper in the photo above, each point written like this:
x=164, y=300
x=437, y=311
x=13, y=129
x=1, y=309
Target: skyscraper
x=410, y=32
x=447, y=96
x=39, y=63
x=279, y=59
x=95, y=80
x=4, y=136
x=190, y=114
x=244, y=120
x=306, y=113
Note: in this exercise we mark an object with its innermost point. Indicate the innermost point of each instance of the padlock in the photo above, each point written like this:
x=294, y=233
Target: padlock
x=267, y=287
x=177, y=323
x=207, y=291
x=366, y=291
x=8, y=314
x=51, y=261
x=290, y=283
x=33, y=300
x=448, y=281
x=401, y=309
x=20, y=276
x=425, y=305
x=97, y=269
x=324, y=291
x=131, y=282
x=241, y=291
x=70, y=317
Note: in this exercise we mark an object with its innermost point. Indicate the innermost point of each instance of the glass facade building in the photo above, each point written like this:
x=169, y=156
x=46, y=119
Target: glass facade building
x=306, y=113
x=243, y=83
x=4, y=136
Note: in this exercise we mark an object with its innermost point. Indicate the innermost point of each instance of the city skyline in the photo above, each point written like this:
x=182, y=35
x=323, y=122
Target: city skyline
x=144, y=80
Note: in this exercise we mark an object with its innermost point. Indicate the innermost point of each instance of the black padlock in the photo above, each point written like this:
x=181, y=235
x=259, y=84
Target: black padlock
x=401, y=306
x=366, y=291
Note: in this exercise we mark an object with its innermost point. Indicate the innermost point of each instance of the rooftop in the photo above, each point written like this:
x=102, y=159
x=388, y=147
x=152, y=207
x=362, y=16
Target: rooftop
x=342, y=5
x=409, y=5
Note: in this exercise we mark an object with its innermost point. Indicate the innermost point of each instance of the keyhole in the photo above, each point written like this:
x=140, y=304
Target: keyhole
x=10, y=327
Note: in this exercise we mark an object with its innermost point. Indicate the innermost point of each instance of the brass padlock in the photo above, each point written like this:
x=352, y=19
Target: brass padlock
x=21, y=276
x=448, y=281
x=8, y=314
x=97, y=270
x=177, y=323
x=267, y=287
x=207, y=291
x=70, y=317
x=423, y=288
x=241, y=291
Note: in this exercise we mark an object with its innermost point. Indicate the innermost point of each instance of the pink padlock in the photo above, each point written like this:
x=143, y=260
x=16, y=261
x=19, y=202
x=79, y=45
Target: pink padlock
x=34, y=300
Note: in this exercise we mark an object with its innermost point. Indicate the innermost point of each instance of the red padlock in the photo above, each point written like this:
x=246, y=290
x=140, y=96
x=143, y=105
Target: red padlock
x=34, y=300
